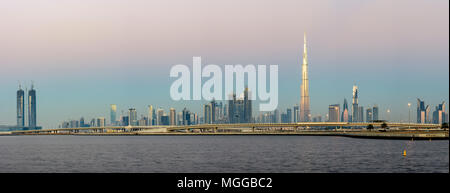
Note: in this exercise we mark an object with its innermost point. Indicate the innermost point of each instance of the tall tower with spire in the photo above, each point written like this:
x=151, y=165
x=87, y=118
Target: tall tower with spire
x=305, y=113
x=355, y=115
x=20, y=107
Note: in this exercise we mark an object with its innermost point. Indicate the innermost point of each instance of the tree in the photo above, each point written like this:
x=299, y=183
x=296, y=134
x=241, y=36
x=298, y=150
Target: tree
x=444, y=126
x=384, y=125
x=369, y=127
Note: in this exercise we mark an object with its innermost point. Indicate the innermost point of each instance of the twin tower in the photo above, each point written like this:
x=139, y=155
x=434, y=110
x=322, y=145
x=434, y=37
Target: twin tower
x=31, y=108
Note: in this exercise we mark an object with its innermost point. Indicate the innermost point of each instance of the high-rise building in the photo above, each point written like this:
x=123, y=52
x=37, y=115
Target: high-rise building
x=240, y=109
x=355, y=104
x=369, y=117
x=101, y=122
x=333, y=113
x=375, y=113
x=186, y=117
x=32, y=108
x=172, y=117
x=207, y=113
x=247, y=106
x=305, y=113
x=159, y=114
x=440, y=115
x=344, y=117
x=421, y=111
x=296, y=113
x=20, y=107
x=113, y=114
x=361, y=114
x=151, y=115
x=289, y=115
x=132, y=114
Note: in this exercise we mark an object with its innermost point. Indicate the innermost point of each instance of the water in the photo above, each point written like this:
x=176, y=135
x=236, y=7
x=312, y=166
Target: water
x=219, y=154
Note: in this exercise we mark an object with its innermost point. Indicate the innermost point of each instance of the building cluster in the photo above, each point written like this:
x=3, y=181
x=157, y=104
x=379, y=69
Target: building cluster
x=424, y=115
x=239, y=110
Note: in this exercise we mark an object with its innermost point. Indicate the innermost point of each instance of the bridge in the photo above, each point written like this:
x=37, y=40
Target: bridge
x=240, y=127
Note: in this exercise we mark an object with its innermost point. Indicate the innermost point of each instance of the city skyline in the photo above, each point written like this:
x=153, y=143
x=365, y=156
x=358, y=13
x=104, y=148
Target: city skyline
x=81, y=73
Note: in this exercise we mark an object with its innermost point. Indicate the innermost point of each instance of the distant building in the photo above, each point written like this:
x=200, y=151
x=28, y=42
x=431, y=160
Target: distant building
x=186, y=117
x=361, y=114
x=32, y=108
x=132, y=114
x=20, y=107
x=289, y=115
x=440, y=115
x=344, y=117
x=113, y=114
x=151, y=114
x=421, y=111
x=125, y=121
x=369, y=117
x=375, y=111
x=164, y=120
x=296, y=113
x=355, y=104
x=333, y=113
x=159, y=114
x=101, y=122
x=240, y=109
x=172, y=116
x=317, y=118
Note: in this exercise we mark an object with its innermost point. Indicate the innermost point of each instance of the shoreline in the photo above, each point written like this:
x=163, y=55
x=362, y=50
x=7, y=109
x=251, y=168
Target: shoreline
x=397, y=135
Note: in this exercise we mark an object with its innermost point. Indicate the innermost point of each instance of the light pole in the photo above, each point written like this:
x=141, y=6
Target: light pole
x=388, y=114
x=409, y=115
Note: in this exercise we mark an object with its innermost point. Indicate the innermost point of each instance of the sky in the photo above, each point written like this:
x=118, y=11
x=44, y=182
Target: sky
x=85, y=55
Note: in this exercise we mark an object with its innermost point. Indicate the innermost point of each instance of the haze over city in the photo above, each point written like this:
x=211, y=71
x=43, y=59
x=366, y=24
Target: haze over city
x=84, y=57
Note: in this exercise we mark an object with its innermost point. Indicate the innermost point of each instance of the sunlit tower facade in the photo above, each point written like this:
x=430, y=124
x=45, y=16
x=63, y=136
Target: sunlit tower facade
x=355, y=104
x=32, y=108
x=113, y=114
x=305, y=113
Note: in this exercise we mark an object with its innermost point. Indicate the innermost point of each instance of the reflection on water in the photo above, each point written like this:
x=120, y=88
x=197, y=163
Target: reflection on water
x=219, y=154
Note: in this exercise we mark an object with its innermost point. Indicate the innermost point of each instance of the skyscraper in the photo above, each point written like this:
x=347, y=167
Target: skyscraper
x=296, y=113
x=333, y=113
x=173, y=116
x=289, y=115
x=32, y=108
x=20, y=107
x=369, y=117
x=421, y=111
x=159, y=114
x=186, y=117
x=344, y=117
x=440, y=115
x=207, y=113
x=355, y=104
x=247, y=106
x=375, y=112
x=240, y=110
x=304, y=88
x=113, y=114
x=132, y=114
x=151, y=115
x=361, y=114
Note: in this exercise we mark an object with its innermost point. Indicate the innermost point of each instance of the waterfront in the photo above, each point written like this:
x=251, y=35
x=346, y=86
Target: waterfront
x=219, y=154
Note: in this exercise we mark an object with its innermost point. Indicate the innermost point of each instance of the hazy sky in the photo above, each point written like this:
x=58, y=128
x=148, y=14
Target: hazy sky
x=85, y=55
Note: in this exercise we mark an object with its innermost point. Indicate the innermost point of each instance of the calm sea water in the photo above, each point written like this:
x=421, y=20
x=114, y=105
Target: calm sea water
x=219, y=154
